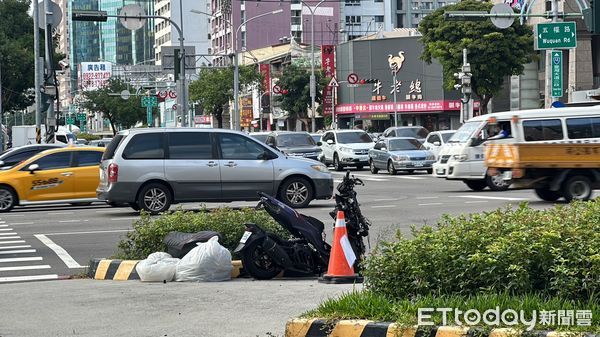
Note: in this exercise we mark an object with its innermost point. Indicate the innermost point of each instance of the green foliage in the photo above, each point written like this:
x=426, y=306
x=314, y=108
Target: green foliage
x=553, y=252
x=148, y=232
x=493, y=53
x=16, y=54
x=378, y=307
x=88, y=136
x=122, y=114
x=297, y=101
x=214, y=88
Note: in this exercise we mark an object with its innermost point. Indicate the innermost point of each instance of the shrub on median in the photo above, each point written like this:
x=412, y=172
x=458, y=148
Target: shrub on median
x=554, y=252
x=148, y=232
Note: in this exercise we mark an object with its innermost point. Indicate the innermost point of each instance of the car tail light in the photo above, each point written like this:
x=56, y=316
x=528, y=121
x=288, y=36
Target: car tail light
x=113, y=173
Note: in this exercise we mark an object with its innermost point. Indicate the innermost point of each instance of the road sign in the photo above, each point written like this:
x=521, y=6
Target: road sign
x=333, y=83
x=149, y=101
x=81, y=117
x=555, y=35
x=557, y=78
x=149, y=115
x=503, y=9
x=70, y=120
x=82, y=126
x=352, y=78
x=276, y=89
x=132, y=23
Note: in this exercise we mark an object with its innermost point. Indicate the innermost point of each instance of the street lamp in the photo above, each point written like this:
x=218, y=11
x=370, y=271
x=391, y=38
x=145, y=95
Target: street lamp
x=313, y=89
x=236, y=70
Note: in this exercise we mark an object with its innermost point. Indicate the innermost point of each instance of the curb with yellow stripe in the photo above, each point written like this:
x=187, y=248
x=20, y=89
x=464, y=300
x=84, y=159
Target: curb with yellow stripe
x=123, y=270
x=365, y=328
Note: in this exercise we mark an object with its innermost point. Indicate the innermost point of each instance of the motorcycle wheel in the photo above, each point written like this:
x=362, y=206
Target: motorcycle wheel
x=258, y=264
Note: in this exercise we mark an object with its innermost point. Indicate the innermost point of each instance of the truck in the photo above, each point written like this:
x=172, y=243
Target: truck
x=555, y=152
x=25, y=134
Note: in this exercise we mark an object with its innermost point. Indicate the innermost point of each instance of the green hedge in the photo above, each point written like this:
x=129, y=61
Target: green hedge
x=148, y=232
x=553, y=252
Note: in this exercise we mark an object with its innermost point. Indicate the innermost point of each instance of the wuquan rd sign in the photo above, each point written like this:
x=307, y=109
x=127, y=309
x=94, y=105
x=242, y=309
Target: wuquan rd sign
x=556, y=35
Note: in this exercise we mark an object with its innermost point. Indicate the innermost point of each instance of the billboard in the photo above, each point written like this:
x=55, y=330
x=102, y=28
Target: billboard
x=94, y=75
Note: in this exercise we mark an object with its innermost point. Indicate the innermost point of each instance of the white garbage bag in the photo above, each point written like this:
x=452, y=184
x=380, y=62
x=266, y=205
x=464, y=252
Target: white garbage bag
x=157, y=267
x=209, y=261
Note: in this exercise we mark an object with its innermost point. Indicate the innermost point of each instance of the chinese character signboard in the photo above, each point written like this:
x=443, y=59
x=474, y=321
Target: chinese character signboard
x=246, y=111
x=265, y=71
x=328, y=60
x=94, y=75
x=557, y=80
x=416, y=107
x=555, y=35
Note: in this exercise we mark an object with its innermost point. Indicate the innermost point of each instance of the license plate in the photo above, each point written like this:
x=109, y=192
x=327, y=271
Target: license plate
x=245, y=237
x=507, y=175
x=440, y=171
x=418, y=163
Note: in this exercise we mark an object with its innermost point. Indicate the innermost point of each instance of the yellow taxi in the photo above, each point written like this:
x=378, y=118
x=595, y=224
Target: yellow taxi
x=64, y=175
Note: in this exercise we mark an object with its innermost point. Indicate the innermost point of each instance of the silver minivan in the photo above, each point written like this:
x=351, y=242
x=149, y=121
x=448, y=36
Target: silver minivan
x=152, y=168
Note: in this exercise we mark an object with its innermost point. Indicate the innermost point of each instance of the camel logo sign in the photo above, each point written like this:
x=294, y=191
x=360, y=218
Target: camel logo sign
x=396, y=62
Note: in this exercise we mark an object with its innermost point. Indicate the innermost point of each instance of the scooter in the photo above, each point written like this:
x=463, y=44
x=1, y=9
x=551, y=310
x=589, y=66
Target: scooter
x=265, y=255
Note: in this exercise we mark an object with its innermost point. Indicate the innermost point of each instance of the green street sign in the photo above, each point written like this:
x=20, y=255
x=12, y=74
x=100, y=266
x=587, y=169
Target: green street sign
x=70, y=120
x=82, y=126
x=555, y=35
x=149, y=115
x=81, y=116
x=557, y=76
x=149, y=101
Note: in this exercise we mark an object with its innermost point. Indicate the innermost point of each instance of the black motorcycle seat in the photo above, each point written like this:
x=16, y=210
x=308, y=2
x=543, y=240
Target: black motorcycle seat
x=320, y=226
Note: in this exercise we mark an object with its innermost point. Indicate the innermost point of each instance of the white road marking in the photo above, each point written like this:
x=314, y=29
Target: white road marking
x=476, y=202
x=423, y=198
x=4, y=234
x=384, y=206
x=60, y=213
x=3, y=225
x=391, y=199
x=41, y=266
x=10, y=242
x=29, y=278
x=9, y=237
x=2, y=221
x=6, y=229
x=431, y=204
x=120, y=219
x=114, y=210
x=337, y=181
x=22, y=223
x=15, y=247
x=409, y=177
x=14, y=215
x=74, y=220
x=60, y=251
x=90, y=232
x=21, y=259
x=20, y=251
x=490, y=198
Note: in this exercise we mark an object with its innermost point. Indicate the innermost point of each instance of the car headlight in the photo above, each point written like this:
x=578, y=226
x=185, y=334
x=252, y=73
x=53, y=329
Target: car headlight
x=400, y=158
x=430, y=157
x=320, y=168
x=346, y=149
x=460, y=157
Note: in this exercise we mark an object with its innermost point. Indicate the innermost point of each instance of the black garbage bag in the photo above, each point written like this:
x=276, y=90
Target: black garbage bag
x=179, y=243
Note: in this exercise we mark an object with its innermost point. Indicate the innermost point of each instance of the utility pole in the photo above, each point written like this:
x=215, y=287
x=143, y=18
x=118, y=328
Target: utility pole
x=466, y=107
x=1, y=112
x=38, y=71
x=49, y=75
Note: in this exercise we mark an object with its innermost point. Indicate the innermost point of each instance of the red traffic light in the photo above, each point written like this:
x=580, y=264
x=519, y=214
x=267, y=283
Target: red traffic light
x=284, y=91
x=362, y=81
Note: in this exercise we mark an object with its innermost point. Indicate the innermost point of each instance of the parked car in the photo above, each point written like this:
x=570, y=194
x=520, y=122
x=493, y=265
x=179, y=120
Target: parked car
x=151, y=169
x=316, y=137
x=436, y=139
x=346, y=148
x=418, y=132
x=400, y=154
x=294, y=144
x=260, y=136
x=100, y=142
x=14, y=156
x=61, y=175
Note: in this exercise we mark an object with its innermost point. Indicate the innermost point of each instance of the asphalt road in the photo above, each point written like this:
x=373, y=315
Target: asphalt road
x=39, y=243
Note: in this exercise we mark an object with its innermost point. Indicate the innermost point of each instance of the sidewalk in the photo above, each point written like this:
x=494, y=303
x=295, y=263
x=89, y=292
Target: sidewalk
x=240, y=308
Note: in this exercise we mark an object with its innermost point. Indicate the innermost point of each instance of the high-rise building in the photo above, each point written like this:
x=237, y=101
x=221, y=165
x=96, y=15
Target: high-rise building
x=409, y=13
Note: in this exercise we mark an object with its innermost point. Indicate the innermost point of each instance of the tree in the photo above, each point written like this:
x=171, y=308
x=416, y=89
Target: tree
x=16, y=54
x=297, y=100
x=214, y=88
x=493, y=53
x=120, y=113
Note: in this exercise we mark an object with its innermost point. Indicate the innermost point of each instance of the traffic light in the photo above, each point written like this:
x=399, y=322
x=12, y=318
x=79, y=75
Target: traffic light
x=591, y=16
x=465, y=80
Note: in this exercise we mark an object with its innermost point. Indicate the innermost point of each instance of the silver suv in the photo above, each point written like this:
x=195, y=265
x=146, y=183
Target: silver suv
x=151, y=169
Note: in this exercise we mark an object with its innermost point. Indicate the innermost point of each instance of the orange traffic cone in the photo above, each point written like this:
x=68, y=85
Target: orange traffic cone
x=342, y=256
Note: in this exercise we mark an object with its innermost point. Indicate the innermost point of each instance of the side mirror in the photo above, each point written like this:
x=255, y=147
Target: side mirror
x=33, y=167
x=264, y=156
x=330, y=142
x=319, y=143
x=477, y=141
x=437, y=143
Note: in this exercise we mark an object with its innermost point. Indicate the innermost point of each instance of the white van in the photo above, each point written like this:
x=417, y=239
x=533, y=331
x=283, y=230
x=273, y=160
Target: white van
x=462, y=157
